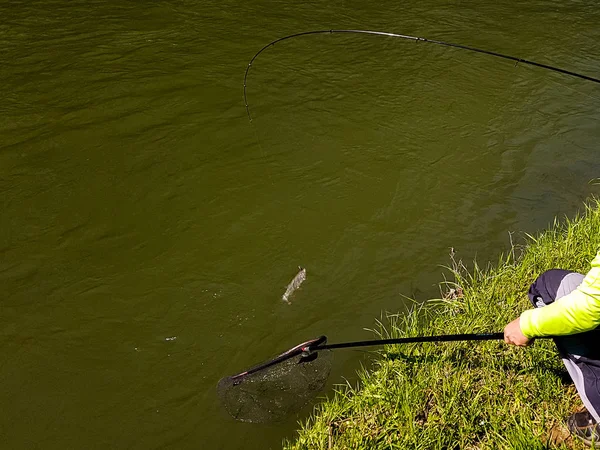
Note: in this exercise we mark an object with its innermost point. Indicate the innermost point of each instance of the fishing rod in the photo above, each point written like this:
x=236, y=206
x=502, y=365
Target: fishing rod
x=411, y=38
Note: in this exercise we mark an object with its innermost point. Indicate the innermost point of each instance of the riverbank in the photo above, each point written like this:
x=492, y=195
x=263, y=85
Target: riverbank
x=466, y=395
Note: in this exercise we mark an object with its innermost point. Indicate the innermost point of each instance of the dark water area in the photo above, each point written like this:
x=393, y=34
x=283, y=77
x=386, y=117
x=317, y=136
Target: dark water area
x=148, y=229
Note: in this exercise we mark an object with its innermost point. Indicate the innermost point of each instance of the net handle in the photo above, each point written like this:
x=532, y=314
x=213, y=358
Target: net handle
x=320, y=343
x=411, y=340
x=294, y=351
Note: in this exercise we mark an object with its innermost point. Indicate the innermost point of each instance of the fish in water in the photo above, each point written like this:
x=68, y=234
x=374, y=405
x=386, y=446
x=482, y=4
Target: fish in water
x=294, y=284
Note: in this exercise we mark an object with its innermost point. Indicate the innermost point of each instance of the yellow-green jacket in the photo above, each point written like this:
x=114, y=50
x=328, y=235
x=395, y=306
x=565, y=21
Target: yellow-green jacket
x=574, y=313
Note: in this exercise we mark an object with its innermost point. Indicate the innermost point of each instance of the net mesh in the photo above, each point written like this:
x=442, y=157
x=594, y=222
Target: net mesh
x=277, y=391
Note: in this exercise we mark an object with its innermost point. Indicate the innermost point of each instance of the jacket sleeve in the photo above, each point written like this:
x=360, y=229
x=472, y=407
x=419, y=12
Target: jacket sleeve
x=574, y=313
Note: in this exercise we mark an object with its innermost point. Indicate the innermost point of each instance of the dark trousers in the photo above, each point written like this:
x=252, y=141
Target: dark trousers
x=580, y=352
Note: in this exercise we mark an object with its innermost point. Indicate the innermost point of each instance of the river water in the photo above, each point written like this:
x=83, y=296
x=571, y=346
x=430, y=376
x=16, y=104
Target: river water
x=148, y=229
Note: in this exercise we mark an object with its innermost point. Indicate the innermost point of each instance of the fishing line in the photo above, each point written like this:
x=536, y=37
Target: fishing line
x=411, y=38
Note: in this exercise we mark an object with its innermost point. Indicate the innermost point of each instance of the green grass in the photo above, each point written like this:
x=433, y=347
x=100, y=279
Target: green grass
x=466, y=395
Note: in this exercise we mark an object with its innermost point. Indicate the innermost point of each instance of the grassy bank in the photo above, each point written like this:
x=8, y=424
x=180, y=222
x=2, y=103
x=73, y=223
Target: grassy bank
x=483, y=395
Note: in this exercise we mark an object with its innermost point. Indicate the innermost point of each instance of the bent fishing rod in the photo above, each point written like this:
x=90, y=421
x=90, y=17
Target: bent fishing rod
x=416, y=39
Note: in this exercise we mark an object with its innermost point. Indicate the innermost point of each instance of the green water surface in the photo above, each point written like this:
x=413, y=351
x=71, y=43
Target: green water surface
x=148, y=229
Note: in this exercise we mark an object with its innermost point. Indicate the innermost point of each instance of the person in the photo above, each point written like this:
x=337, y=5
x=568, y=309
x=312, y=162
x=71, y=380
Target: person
x=567, y=307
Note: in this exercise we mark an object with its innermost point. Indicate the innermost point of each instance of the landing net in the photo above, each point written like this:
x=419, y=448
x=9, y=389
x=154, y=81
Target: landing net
x=279, y=387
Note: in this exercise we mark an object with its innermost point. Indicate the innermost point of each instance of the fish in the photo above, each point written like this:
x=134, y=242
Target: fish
x=294, y=284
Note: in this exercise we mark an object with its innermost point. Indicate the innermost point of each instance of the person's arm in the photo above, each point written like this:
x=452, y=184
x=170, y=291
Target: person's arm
x=574, y=313
x=513, y=334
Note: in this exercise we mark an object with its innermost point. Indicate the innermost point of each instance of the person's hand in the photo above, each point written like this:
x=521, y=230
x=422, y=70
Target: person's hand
x=513, y=334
